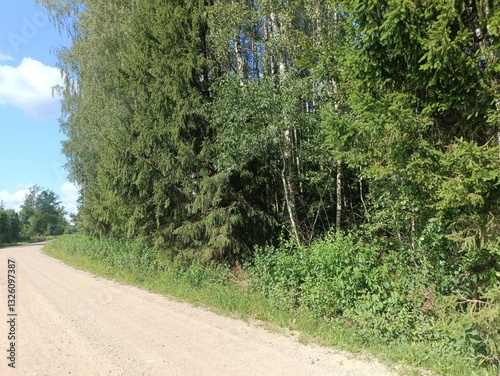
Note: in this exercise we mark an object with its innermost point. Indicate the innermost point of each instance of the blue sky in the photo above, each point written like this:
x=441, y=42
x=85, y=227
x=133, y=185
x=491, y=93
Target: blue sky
x=30, y=141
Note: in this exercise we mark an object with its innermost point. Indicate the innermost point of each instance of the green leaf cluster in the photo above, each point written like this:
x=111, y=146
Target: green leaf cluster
x=10, y=226
x=41, y=214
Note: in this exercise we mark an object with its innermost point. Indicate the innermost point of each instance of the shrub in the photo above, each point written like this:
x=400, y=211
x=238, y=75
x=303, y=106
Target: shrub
x=390, y=294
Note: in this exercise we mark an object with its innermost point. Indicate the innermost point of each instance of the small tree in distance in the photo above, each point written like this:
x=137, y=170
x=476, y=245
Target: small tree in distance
x=42, y=213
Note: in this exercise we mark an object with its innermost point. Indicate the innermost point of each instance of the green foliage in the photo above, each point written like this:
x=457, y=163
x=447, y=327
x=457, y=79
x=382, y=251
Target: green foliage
x=385, y=294
x=168, y=147
x=10, y=226
x=135, y=74
x=41, y=214
x=424, y=142
x=469, y=194
x=122, y=257
x=334, y=278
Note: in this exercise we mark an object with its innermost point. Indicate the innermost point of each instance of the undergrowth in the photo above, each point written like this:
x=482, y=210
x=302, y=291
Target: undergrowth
x=339, y=292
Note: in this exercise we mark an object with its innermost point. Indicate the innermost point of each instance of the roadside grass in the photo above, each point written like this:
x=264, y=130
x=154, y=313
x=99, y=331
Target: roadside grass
x=25, y=241
x=225, y=291
x=5, y=245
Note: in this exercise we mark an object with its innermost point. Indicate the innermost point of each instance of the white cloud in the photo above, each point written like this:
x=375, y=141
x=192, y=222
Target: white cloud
x=14, y=200
x=69, y=196
x=4, y=57
x=29, y=87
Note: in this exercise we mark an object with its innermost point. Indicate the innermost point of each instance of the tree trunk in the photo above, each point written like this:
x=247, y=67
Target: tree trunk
x=287, y=135
x=288, y=183
x=240, y=63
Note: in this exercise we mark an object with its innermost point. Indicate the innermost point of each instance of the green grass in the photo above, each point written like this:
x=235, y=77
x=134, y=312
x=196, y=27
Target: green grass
x=220, y=290
x=27, y=241
x=5, y=245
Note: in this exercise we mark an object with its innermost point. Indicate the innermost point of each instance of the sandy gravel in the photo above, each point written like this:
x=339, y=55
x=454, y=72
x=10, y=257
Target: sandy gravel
x=71, y=322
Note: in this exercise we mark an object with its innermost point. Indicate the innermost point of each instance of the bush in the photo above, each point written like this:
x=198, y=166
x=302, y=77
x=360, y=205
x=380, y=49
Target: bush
x=386, y=294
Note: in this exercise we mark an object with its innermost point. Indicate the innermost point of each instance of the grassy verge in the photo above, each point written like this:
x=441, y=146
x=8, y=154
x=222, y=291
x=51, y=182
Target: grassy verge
x=27, y=241
x=230, y=291
x=5, y=245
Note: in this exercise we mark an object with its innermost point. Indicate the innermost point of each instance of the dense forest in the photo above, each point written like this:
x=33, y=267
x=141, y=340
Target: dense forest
x=209, y=129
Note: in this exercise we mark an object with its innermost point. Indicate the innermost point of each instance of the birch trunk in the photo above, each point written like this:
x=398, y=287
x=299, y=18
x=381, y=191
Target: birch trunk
x=287, y=144
x=240, y=63
x=287, y=175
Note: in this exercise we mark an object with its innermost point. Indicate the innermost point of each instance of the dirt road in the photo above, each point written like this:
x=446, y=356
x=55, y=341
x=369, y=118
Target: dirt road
x=71, y=322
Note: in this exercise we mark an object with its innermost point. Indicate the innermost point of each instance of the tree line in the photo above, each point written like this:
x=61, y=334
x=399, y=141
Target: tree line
x=210, y=127
x=40, y=215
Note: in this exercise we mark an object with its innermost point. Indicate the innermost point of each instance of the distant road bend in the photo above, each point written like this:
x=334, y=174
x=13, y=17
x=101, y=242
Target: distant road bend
x=71, y=322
